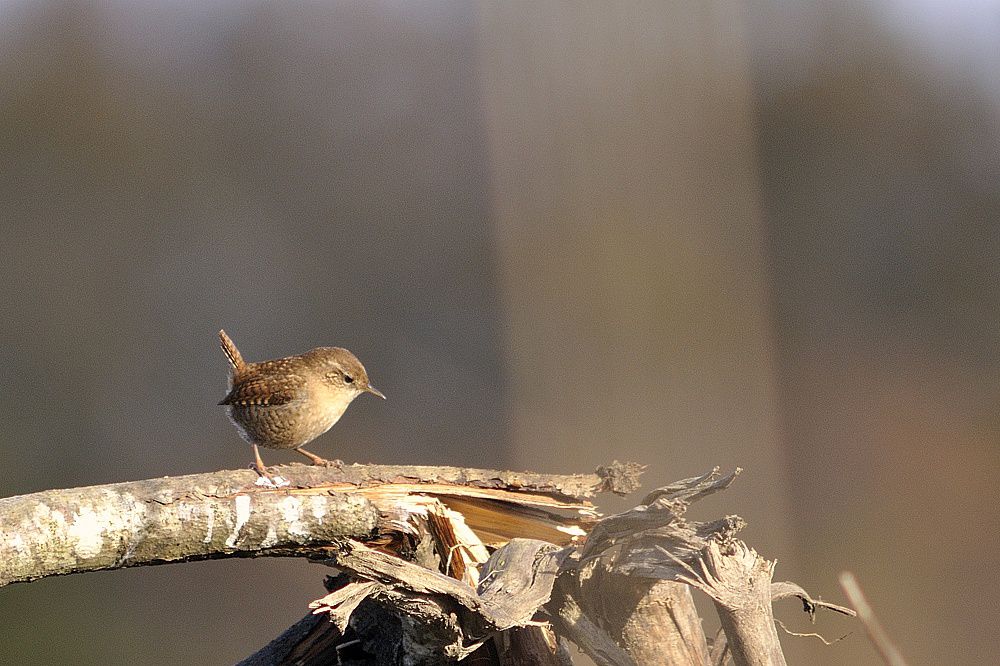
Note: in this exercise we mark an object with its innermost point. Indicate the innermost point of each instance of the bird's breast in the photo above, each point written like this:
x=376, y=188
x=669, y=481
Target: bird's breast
x=329, y=405
x=293, y=424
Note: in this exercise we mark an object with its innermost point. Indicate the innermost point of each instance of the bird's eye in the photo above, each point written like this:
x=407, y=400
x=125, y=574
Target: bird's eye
x=348, y=379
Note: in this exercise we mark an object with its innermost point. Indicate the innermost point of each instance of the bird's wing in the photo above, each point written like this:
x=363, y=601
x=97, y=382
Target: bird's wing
x=264, y=391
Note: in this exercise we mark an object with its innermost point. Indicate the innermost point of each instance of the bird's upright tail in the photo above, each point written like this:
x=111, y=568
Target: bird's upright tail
x=231, y=352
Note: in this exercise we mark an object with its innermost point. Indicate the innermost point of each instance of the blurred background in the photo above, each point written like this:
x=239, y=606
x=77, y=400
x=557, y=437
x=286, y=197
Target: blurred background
x=685, y=234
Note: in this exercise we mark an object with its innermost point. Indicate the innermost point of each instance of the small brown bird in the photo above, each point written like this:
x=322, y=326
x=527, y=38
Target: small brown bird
x=288, y=402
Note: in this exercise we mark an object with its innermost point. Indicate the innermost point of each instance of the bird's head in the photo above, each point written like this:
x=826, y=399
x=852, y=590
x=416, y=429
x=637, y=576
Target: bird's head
x=341, y=370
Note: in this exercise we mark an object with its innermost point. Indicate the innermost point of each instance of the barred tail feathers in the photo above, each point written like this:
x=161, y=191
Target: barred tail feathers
x=231, y=352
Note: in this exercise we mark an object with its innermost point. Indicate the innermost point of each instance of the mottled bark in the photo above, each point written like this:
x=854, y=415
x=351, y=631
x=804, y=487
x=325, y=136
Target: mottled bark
x=168, y=520
x=224, y=514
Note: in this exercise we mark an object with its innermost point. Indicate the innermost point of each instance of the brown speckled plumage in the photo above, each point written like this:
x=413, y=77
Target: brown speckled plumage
x=288, y=402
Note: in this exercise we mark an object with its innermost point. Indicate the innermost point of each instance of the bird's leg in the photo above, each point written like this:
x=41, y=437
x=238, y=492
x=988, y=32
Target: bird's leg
x=316, y=460
x=258, y=463
x=263, y=480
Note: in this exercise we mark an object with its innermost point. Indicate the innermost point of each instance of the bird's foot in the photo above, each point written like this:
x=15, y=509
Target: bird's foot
x=264, y=480
x=271, y=482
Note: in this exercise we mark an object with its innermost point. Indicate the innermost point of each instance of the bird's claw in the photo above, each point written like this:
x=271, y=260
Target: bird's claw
x=271, y=482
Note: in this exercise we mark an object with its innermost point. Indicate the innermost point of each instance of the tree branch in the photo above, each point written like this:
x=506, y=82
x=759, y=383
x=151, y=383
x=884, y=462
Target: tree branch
x=876, y=632
x=223, y=514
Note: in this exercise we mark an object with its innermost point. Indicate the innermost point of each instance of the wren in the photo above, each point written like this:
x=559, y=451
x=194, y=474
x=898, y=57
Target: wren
x=288, y=402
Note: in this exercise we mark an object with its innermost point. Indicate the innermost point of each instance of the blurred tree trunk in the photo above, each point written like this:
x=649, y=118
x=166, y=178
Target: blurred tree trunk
x=630, y=240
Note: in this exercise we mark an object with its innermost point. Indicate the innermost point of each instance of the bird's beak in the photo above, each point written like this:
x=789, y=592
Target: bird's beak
x=374, y=391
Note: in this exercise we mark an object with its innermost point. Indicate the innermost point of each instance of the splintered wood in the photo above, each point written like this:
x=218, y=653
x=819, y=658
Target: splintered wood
x=496, y=516
x=515, y=573
x=463, y=523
